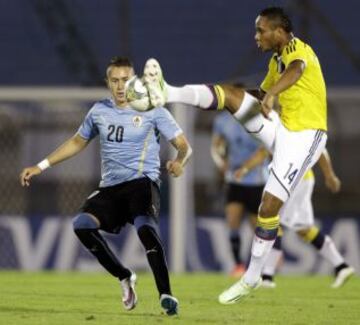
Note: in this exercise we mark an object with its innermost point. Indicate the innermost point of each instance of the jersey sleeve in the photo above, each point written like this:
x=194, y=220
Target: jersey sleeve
x=294, y=51
x=270, y=76
x=88, y=129
x=166, y=124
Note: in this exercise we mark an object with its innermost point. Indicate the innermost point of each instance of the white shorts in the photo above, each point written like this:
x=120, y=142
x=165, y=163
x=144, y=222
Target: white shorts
x=295, y=152
x=297, y=213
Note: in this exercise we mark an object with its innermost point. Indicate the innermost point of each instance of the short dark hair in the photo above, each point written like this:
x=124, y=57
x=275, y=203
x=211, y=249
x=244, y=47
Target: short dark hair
x=120, y=61
x=280, y=18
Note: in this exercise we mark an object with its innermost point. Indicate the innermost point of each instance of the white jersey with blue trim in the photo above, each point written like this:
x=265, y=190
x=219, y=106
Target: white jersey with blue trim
x=129, y=140
x=240, y=147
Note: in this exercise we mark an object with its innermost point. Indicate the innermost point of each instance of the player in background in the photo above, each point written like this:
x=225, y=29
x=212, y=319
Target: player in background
x=129, y=186
x=231, y=147
x=295, y=78
x=297, y=214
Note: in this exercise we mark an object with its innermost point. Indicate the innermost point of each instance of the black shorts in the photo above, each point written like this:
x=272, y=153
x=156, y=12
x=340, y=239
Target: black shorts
x=249, y=196
x=114, y=206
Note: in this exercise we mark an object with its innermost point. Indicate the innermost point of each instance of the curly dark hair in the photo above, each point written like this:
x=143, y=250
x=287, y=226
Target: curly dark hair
x=278, y=16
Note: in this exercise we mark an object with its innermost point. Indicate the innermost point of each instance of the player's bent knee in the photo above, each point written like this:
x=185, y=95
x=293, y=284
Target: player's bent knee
x=84, y=221
x=233, y=97
x=148, y=237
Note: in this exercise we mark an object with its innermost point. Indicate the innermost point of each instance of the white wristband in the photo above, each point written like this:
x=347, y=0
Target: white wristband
x=44, y=164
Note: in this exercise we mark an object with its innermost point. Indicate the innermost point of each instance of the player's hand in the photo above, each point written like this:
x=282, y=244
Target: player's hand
x=174, y=168
x=240, y=173
x=28, y=173
x=333, y=183
x=267, y=104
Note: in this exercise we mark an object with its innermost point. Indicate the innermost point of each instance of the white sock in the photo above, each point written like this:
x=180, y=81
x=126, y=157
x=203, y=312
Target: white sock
x=249, y=108
x=196, y=95
x=329, y=252
x=272, y=262
x=255, y=123
x=259, y=253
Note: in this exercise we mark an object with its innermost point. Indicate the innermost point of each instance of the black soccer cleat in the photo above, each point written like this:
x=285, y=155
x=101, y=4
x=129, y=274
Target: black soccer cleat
x=169, y=304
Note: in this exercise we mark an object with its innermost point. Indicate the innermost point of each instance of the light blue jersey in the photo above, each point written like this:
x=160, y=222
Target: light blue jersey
x=129, y=140
x=240, y=147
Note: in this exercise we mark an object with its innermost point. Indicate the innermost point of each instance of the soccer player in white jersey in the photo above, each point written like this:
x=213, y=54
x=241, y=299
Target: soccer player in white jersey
x=296, y=79
x=231, y=147
x=129, y=186
x=297, y=214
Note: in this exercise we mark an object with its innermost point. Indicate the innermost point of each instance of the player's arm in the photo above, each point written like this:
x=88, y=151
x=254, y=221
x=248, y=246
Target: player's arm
x=68, y=149
x=332, y=182
x=175, y=167
x=218, y=152
x=290, y=76
x=254, y=160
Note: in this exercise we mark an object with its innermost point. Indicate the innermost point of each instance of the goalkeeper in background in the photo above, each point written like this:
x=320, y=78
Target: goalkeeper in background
x=129, y=186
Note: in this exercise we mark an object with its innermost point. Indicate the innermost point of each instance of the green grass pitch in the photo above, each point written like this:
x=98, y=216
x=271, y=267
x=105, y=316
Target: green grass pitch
x=93, y=298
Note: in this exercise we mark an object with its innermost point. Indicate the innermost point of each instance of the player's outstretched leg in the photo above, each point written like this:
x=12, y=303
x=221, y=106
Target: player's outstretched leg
x=244, y=107
x=154, y=81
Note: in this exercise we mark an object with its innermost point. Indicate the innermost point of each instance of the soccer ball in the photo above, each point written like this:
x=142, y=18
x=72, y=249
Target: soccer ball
x=137, y=94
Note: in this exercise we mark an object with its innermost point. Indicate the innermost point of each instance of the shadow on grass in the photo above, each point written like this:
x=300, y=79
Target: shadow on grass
x=86, y=315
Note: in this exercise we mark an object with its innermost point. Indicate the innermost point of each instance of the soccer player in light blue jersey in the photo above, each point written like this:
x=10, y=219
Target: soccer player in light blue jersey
x=129, y=186
x=231, y=148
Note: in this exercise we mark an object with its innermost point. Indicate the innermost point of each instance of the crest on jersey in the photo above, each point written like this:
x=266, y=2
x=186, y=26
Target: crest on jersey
x=137, y=121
